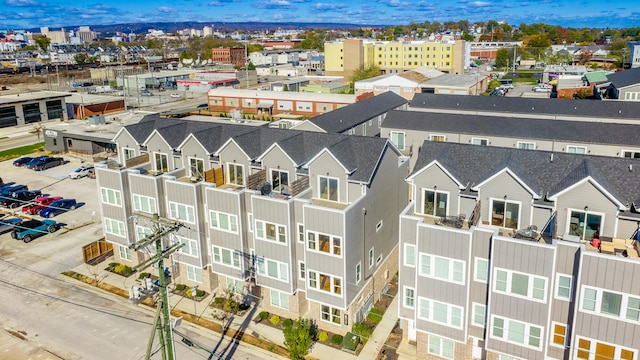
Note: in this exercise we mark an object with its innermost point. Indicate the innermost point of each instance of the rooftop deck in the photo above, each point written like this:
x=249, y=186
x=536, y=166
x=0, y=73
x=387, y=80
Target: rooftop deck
x=329, y=204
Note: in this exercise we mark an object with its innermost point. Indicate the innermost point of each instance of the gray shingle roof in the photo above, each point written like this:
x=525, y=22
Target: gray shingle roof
x=515, y=127
x=545, y=174
x=625, y=78
x=347, y=117
x=532, y=106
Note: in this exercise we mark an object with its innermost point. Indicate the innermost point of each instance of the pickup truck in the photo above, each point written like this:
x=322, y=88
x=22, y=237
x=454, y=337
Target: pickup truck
x=32, y=229
x=39, y=204
x=21, y=197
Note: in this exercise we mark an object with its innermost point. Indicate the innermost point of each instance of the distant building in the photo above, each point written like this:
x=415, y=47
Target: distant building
x=35, y=107
x=634, y=58
x=235, y=56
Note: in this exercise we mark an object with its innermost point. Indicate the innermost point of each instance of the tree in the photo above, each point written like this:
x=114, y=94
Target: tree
x=537, y=44
x=43, y=42
x=466, y=36
x=365, y=73
x=298, y=338
x=37, y=130
x=502, y=58
x=251, y=66
x=583, y=94
x=80, y=58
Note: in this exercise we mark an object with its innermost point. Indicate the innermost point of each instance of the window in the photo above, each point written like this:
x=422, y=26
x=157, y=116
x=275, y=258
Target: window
x=442, y=268
x=235, y=172
x=226, y=257
x=478, y=141
x=330, y=314
x=516, y=332
x=440, y=138
x=397, y=138
x=223, y=221
x=520, y=285
x=379, y=259
x=279, y=180
x=279, y=299
x=190, y=246
x=409, y=297
x=194, y=273
x=481, y=270
x=563, y=289
x=441, y=347
x=478, y=316
x=301, y=270
x=161, y=162
x=328, y=188
x=371, y=257
x=196, y=168
x=576, y=149
x=584, y=224
x=142, y=232
x=125, y=252
x=379, y=226
x=250, y=216
x=441, y=313
x=559, y=334
x=271, y=232
x=633, y=309
x=328, y=283
x=114, y=227
x=301, y=233
x=273, y=269
x=144, y=203
x=111, y=197
x=182, y=212
x=505, y=213
x=594, y=349
x=631, y=154
x=128, y=153
x=324, y=243
x=235, y=286
x=409, y=255
x=435, y=203
x=526, y=145
x=364, y=129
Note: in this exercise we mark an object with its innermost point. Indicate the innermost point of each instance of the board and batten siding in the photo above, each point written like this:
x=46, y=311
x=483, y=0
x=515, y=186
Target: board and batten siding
x=327, y=165
x=407, y=276
x=586, y=194
x=478, y=291
x=499, y=187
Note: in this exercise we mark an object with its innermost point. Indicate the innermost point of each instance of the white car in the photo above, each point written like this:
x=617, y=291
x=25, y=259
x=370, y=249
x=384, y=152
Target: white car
x=175, y=95
x=82, y=171
x=541, y=88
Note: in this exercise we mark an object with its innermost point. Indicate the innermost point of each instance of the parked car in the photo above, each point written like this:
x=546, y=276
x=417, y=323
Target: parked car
x=22, y=161
x=34, y=161
x=146, y=93
x=203, y=106
x=7, y=225
x=48, y=163
x=7, y=184
x=58, y=207
x=32, y=229
x=82, y=171
x=541, y=88
x=39, y=204
x=91, y=174
x=21, y=197
x=7, y=191
x=175, y=95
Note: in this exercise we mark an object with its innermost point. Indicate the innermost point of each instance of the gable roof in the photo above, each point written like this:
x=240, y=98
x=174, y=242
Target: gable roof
x=506, y=105
x=622, y=79
x=347, y=117
x=515, y=127
x=546, y=173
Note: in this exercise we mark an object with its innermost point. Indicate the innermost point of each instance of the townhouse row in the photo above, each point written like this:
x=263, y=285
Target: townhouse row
x=292, y=218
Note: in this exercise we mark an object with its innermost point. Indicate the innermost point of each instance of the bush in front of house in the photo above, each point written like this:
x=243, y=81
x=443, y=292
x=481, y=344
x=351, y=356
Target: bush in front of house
x=275, y=320
x=181, y=287
x=123, y=269
x=263, y=315
x=323, y=336
x=287, y=322
x=375, y=315
x=336, y=339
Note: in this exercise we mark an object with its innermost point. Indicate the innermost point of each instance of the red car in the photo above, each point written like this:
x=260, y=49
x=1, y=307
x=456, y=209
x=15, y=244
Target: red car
x=39, y=204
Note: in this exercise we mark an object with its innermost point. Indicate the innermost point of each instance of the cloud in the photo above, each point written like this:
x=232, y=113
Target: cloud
x=166, y=9
x=328, y=6
x=274, y=4
x=221, y=2
x=21, y=3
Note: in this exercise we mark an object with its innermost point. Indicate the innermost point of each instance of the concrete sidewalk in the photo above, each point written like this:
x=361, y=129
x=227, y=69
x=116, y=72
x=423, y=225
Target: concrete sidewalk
x=372, y=348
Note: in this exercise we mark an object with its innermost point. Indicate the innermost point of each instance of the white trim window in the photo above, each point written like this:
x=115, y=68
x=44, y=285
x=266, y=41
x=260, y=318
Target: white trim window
x=114, y=227
x=111, y=196
x=522, y=285
x=300, y=233
x=161, y=162
x=505, y=213
x=574, y=149
x=226, y=257
x=441, y=313
x=596, y=349
x=190, y=247
x=435, y=203
x=182, y=212
x=235, y=174
x=279, y=180
x=409, y=298
x=526, y=145
x=279, y=299
x=478, y=316
x=516, y=332
x=144, y=204
x=194, y=273
x=437, y=137
x=328, y=188
x=196, y=168
x=479, y=141
x=235, y=286
x=371, y=257
x=442, y=268
x=584, y=224
x=564, y=285
x=441, y=347
x=610, y=304
x=125, y=252
x=324, y=282
x=397, y=138
x=273, y=269
x=250, y=220
x=409, y=255
x=633, y=154
x=481, y=270
x=128, y=153
x=302, y=270
x=324, y=243
x=330, y=314
x=142, y=232
x=558, y=335
x=271, y=232
x=223, y=221
x=358, y=273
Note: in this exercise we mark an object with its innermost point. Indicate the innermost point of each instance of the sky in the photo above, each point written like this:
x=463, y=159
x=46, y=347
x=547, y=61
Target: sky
x=24, y=14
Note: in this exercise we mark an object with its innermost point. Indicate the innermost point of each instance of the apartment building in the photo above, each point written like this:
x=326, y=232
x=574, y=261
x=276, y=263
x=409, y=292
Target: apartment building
x=235, y=56
x=499, y=255
x=292, y=217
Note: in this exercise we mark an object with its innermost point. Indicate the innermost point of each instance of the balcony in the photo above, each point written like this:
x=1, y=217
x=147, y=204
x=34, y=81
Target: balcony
x=615, y=247
x=453, y=221
x=329, y=204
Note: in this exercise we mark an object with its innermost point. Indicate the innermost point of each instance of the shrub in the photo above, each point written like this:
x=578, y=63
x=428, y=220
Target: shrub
x=263, y=315
x=144, y=275
x=113, y=264
x=375, y=315
x=362, y=330
x=243, y=306
x=287, y=322
x=323, y=336
x=336, y=339
x=218, y=300
x=181, y=287
x=123, y=269
x=199, y=293
x=275, y=319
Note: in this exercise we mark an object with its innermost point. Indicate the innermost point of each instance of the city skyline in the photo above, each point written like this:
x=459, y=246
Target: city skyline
x=25, y=14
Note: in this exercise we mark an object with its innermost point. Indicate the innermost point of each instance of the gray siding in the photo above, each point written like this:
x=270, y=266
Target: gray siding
x=501, y=186
x=407, y=275
x=156, y=144
x=583, y=195
x=478, y=291
x=435, y=178
x=326, y=165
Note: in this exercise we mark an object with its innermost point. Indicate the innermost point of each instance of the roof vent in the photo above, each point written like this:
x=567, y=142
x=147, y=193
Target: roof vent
x=630, y=167
x=551, y=159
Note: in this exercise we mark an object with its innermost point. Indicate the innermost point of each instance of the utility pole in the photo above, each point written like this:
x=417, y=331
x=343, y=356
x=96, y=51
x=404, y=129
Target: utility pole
x=162, y=323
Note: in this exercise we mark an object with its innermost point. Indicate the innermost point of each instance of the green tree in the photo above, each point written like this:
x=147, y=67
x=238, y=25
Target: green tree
x=254, y=48
x=251, y=66
x=80, y=58
x=493, y=84
x=466, y=36
x=43, y=42
x=298, y=338
x=502, y=58
x=365, y=73
x=537, y=44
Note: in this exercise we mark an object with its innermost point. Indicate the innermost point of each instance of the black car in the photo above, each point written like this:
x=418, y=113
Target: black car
x=8, y=191
x=48, y=163
x=20, y=198
x=22, y=161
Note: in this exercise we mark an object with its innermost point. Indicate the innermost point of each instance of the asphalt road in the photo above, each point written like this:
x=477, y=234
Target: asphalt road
x=19, y=140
